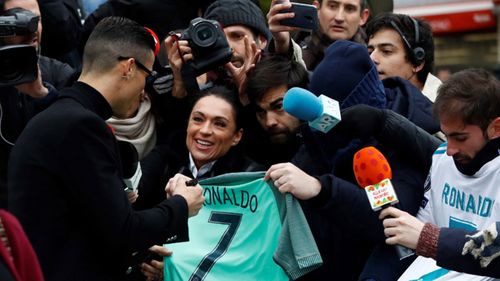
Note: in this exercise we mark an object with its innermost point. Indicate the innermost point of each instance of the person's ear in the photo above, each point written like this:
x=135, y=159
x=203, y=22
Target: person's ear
x=237, y=137
x=126, y=68
x=419, y=67
x=317, y=4
x=493, y=129
x=365, y=14
x=262, y=42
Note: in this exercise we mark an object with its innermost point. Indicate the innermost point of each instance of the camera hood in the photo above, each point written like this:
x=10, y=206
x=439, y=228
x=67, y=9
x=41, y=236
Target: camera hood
x=18, y=21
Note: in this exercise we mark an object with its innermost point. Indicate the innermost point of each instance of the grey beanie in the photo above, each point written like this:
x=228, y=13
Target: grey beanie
x=238, y=12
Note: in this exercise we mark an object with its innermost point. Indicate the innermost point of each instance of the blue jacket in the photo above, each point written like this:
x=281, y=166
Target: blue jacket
x=405, y=99
x=449, y=254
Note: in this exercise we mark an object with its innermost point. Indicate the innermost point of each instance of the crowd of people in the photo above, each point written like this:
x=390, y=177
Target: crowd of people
x=196, y=92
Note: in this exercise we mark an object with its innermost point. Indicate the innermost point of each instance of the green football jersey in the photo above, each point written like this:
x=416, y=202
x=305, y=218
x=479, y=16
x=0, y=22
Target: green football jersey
x=238, y=232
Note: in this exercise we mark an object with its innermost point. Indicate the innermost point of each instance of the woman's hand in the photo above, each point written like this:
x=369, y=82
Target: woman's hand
x=288, y=178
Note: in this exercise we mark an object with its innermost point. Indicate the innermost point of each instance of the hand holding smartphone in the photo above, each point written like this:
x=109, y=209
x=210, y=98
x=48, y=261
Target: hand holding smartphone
x=306, y=16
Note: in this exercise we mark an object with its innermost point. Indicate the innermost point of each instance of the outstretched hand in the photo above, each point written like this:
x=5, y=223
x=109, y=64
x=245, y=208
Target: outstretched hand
x=281, y=33
x=239, y=74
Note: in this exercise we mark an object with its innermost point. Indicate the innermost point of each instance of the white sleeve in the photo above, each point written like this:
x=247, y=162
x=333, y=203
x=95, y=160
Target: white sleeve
x=426, y=208
x=297, y=53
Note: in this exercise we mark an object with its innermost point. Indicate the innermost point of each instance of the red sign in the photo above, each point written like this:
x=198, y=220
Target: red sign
x=461, y=22
x=455, y=17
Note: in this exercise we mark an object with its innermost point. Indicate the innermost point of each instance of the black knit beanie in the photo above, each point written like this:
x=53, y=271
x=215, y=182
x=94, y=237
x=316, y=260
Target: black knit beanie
x=348, y=75
x=238, y=12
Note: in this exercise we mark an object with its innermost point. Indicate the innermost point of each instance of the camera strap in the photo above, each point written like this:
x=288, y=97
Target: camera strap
x=1, y=135
x=175, y=37
x=188, y=74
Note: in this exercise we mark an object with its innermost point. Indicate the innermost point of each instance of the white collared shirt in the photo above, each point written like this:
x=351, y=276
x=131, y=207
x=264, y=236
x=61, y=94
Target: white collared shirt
x=431, y=87
x=203, y=170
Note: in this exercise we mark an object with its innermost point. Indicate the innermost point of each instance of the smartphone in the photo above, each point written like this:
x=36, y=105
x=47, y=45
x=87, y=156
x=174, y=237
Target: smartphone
x=306, y=16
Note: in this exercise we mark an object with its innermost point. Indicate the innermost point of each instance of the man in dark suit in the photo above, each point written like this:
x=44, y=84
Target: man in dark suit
x=73, y=205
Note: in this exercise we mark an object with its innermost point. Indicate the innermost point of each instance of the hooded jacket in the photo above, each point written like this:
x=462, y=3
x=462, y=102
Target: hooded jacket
x=407, y=100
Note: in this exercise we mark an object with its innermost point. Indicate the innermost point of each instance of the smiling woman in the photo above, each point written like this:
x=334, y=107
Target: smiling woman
x=211, y=131
x=207, y=148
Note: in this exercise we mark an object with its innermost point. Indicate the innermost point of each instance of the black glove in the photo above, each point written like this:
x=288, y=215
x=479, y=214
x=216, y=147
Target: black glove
x=361, y=121
x=163, y=81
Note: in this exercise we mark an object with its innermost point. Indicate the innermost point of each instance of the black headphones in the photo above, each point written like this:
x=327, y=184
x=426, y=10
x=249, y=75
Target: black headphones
x=418, y=53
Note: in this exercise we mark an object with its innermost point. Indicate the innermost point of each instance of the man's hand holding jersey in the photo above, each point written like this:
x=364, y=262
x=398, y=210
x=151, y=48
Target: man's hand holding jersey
x=193, y=194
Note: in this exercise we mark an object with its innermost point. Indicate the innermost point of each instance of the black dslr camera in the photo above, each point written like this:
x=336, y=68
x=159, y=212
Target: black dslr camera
x=208, y=44
x=19, y=62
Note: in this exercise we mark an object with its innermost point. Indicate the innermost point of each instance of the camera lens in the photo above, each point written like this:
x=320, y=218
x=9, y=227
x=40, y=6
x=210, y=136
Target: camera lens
x=9, y=72
x=204, y=34
x=19, y=64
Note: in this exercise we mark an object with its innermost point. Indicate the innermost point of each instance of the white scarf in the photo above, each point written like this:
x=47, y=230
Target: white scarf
x=139, y=130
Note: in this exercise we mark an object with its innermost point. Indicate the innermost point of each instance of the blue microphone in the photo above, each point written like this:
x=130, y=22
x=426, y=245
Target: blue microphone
x=322, y=112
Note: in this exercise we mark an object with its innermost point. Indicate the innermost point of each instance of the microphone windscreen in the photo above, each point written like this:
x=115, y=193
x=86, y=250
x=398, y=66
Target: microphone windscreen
x=302, y=104
x=370, y=166
x=129, y=158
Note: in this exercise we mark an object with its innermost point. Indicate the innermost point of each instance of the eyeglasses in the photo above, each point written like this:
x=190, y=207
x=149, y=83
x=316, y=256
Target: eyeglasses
x=151, y=73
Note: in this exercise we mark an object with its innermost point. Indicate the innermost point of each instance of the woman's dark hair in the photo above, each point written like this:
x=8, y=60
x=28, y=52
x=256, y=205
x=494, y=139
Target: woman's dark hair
x=228, y=94
x=273, y=71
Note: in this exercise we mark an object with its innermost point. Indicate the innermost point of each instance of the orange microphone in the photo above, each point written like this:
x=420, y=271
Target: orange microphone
x=373, y=174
